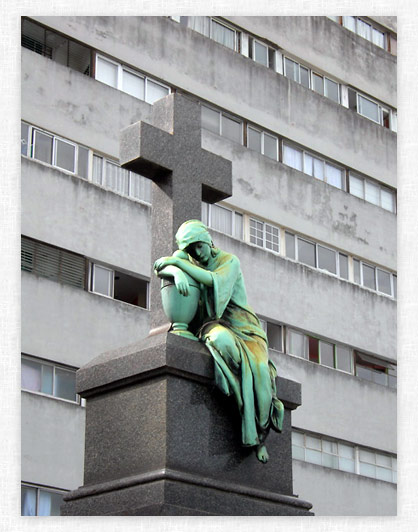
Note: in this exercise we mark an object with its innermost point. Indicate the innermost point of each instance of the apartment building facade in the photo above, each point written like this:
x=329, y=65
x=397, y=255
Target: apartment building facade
x=305, y=107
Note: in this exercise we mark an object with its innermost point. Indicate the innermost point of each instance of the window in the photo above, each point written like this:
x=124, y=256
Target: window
x=53, y=263
x=374, y=278
x=375, y=370
x=60, y=49
x=118, y=285
x=214, y=29
x=372, y=110
x=365, y=30
x=261, y=53
x=326, y=87
x=264, y=235
x=296, y=72
x=327, y=452
x=275, y=336
x=297, y=343
x=48, y=378
x=223, y=220
x=128, y=80
x=40, y=501
x=263, y=143
x=221, y=124
x=372, y=192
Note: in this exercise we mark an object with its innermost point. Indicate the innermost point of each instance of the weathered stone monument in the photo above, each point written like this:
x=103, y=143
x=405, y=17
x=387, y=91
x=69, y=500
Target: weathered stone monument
x=161, y=439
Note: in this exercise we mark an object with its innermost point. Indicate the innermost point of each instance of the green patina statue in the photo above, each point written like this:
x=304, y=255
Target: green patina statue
x=210, y=286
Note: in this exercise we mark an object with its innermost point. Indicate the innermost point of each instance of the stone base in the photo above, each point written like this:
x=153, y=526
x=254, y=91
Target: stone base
x=162, y=440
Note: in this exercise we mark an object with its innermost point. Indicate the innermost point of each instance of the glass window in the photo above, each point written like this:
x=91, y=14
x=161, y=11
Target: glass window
x=272, y=237
x=223, y=35
x=261, y=53
x=364, y=30
x=298, y=439
x=49, y=503
x=356, y=267
x=298, y=452
x=369, y=279
x=383, y=460
x=107, y=72
x=211, y=119
x=368, y=470
x=307, y=164
x=102, y=282
x=43, y=147
x=331, y=90
x=313, y=344
x=290, y=245
x=65, y=384
x=314, y=457
x=239, y=226
x=369, y=109
x=329, y=460
x=378, y=38
x=274, y=335
x=387, y=199
x=24, y=138
x=343, y=358
x=155, y=91
x=334, y=176
x=133, y=84
x=356, y=186
x=256, y=232
x=139, y=187
x=270, y=146
x=297, y=343
x=291, y=69
x=343, y=259
x=327, y=259
x=83, y=162
x=304, y=76
x=318, y=83
x=64, y=155
x=28, y=501
x=117, y=178
x=383, y=282
x=292, y=157
x=350, y=23
x=395, y=286
x=306, y=252
x=254, y=139
x=313, y=443
x=231, y=129
x=384, y=474
x=31, y=375
x=221, y=219
x=318, y=168
x=372, y=193
x=327, y=354
x=97, y=174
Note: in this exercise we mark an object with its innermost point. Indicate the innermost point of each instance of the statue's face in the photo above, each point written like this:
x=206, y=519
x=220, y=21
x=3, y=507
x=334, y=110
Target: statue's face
x=200, y=251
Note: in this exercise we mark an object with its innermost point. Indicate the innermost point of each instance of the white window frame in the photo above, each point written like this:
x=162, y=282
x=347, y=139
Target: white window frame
x=233, y=212
x=251, y=218
x=92, y=279
x=262, y=135
x=375, y=267
x=222, y=23
x=233, y=119
x=254, y=40
x=54, y=154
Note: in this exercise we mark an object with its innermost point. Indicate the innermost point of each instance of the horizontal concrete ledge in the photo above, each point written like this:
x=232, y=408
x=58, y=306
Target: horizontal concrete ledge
x=181, y=476
x=156, y=356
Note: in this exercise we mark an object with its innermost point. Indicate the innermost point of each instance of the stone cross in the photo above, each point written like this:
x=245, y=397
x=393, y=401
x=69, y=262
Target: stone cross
x=169, y=152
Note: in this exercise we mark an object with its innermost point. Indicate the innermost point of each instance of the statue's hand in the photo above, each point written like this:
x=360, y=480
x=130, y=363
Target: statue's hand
x=161, y=263
x=182, y=284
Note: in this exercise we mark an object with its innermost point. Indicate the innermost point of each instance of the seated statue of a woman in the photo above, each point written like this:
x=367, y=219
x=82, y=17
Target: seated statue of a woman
x=230, y=330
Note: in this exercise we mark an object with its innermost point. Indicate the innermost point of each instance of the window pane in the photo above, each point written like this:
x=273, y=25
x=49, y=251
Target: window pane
x=291, y=69
x=304, y=76
x=107, y=72
x=31, y=375
x=117, y=178
x=274, y=335
x=139, y=187
x=254, y=139
x=387, y=199
x=395, y=286
x=329, y=447
x=306, y=252
x=368, y=109
x=43, y=147
x=378, y=38
x=346, y=451
x=328, y=460
x=331, y=90
x=298, y=439
x=290, y=245
x=314, y=457
x=318, y=83
x=211, y=120
x=350, y=23
x=97, y=176
x=363, y=373
x=367, y=456
x=256, y=232
x=223, y=35
x=369, y=277
x=155, y=91
x=384, y=474
x=270, y=146
x=239, y=226
x=24, y=134
x=318, y=168
x=308, y=164
x=343, y=265
x=334, y=176
x=380, y=377
x=46, y=386
x=64, y=155
x=356, y=186
x=297, y=344
x=231, y=129
x=384, y=460
x=272, y=238
x=313, y=349
x=133, y=85
x=364, y=30
x=372, y=193
x=205, y=213
x=260, y=53
x=344, y=358
x=49, y=503
x=65, y=384
x=327, y=259
x=292, y=157
x=327, y=354
x=200, y=24
x=298, y=452
x=102, y=280
x=28, y=501
x=356, y=265
x=368, y=470
x=221, y=219
x=383, y=282
x=346, y=465
x=313, y=443
x=83, y=162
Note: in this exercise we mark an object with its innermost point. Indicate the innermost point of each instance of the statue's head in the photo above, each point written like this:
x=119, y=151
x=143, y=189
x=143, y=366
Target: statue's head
x=192, y=231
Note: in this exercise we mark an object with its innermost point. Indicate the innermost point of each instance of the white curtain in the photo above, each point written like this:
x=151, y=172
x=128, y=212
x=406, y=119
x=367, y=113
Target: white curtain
x=200, y=24
x=223, y=35
x=292, y=157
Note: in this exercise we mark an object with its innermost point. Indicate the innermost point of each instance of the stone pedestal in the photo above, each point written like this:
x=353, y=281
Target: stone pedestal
x=162, y=440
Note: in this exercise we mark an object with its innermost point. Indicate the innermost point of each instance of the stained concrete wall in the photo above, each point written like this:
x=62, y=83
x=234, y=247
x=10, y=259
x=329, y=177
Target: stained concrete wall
x=268, y=99
x=295, y=294
x=337, y=493
x=72, y=326
x=52, y=441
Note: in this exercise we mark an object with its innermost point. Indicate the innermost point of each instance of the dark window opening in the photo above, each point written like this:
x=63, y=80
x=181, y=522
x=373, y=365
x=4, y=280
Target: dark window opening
x=313, y=349
x=130, y=289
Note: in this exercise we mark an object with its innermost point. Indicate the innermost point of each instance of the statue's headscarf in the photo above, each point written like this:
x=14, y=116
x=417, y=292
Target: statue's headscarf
x=192, y=231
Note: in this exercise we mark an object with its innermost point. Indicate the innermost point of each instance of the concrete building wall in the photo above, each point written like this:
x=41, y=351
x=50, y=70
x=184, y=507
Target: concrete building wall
x=52, y=441
x=337, y=493
x=268, y=99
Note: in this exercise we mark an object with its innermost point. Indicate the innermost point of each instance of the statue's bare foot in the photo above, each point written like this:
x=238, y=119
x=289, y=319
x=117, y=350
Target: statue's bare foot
x=262, y=453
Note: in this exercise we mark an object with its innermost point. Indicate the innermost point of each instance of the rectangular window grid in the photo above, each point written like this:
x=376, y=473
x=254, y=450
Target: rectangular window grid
x=264, y=235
